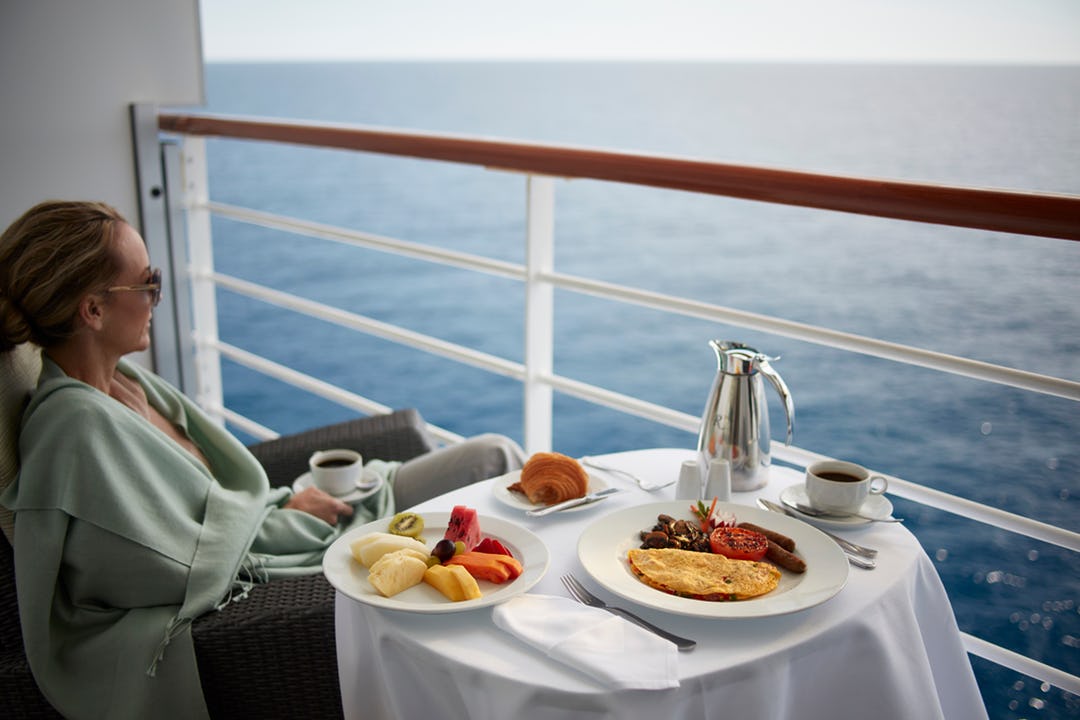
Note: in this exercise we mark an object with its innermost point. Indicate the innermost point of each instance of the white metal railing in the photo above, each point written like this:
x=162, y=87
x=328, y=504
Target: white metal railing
x=536, y=371
x=585, y=391
x=544, y=275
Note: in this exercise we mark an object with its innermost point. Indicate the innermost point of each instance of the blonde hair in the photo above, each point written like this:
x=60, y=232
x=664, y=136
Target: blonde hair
x=50, y=258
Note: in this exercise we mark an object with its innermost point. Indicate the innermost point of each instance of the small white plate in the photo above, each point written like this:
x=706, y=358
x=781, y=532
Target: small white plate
x=602, y=549
x=516, y=500
x=367, y=485
x=350, y=577
x=875, y=506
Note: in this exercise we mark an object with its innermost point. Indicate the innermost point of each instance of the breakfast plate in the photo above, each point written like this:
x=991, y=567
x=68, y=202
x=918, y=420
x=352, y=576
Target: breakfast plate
x=350, y=577
x=875, y=506
x=603, y=546
x=367, y=485
x=500, y=487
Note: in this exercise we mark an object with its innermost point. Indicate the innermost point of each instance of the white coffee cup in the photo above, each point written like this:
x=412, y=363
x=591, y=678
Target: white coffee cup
x=841, y=486
x=336, y=471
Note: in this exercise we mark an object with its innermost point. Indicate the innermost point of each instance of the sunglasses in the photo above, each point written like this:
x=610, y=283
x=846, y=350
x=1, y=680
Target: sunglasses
x=153, y=287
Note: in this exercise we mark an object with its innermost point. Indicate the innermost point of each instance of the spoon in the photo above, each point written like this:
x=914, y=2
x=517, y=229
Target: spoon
x=814, y=512
x=643, y=484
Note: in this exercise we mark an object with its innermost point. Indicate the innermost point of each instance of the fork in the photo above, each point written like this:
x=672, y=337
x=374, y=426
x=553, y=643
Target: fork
x=643, y=484
x=583, y=596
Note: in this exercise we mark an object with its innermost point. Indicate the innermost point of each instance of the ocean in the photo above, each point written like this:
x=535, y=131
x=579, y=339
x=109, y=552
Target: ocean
x=1001, y=298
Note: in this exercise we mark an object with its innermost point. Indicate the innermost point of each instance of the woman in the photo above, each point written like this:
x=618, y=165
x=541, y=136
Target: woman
x=135, y=513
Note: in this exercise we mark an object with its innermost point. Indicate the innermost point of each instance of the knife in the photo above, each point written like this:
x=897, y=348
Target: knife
x=590, y=498
x=847, y=545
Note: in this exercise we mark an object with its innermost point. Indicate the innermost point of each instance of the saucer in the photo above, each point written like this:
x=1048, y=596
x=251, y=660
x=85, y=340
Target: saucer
x=368, y=484
x=875, y=506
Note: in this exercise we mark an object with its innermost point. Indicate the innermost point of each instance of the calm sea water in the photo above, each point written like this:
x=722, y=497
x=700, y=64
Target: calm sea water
x=993, y=297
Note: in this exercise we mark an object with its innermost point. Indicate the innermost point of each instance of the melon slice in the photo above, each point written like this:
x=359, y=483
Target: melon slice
x=453, y=581
x=369, y=548
x=492, y=567
x=464, y=525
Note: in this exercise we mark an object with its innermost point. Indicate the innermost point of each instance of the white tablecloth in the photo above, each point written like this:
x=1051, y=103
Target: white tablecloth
x=886, y=647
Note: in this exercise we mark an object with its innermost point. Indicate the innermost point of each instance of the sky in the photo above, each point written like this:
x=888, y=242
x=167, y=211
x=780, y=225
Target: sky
x=1026, y=31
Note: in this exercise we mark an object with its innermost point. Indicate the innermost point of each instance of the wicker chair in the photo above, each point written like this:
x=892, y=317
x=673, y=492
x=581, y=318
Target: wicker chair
x=287, y=626
x=273, y=655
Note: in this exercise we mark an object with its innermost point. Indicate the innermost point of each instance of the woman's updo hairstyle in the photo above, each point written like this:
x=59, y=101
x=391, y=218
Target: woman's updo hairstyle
x=50, y=258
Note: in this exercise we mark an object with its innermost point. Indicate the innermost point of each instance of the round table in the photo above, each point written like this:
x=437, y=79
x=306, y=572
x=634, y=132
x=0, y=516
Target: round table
x=886, y=646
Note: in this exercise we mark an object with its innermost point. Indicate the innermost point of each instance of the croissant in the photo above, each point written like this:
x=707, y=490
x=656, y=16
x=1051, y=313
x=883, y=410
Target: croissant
x=550, y=478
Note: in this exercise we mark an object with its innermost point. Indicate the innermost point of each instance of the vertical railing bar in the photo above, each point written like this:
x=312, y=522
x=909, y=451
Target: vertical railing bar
x=539, y=312
x=209, y=392
x=180, y=284
x=153, y=225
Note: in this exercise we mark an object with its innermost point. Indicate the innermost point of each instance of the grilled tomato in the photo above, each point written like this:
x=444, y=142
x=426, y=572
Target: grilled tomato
x=738, y=543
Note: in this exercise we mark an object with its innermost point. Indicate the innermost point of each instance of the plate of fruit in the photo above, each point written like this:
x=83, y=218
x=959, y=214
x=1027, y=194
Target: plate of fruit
x=436, y=562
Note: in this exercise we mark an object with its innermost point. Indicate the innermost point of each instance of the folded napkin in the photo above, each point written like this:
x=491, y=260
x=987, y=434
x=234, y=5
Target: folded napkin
x=607, y=647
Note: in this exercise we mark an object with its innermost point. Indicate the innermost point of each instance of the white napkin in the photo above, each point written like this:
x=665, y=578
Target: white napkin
x=607, y=647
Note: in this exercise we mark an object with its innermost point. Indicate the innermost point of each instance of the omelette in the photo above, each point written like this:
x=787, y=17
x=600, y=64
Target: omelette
x=702, y=576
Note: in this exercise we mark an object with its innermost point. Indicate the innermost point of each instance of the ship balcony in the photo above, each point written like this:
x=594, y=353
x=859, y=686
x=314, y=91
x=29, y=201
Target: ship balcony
x=177, y=215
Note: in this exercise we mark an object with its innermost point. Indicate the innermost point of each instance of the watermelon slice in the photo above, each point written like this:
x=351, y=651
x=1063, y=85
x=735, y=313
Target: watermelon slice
x=491, y=545
x=464, y=525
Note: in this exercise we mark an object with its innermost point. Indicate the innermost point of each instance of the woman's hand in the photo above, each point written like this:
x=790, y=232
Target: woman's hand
x=322, y=505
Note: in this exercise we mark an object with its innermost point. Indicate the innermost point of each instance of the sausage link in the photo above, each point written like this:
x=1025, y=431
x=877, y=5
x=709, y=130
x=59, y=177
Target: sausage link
x=784, y=559
x=782, y=540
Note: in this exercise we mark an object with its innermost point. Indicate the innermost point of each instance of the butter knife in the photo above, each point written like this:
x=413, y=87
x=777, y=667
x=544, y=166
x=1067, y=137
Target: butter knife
x=590, y=498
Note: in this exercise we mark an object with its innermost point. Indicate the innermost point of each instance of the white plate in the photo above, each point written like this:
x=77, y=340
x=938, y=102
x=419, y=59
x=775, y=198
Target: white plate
x=603, y=546
x=350, y=577
x=875, y=506
x=519, y=501
x=367, y=484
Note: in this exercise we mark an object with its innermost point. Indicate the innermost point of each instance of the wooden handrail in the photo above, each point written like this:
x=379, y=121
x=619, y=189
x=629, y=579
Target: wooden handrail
x=1028, y=213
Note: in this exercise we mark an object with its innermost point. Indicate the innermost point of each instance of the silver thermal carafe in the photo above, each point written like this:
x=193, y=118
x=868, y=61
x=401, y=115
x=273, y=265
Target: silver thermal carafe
x=735, y=424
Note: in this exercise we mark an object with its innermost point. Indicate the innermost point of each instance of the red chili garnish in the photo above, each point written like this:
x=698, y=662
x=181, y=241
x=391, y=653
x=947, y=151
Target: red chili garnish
x=706, y=519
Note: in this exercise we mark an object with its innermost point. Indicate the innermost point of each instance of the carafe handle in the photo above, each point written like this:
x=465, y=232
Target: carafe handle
x=778, y=382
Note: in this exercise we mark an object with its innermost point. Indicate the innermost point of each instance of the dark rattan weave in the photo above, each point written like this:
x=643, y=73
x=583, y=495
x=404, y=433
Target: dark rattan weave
x=271, y=655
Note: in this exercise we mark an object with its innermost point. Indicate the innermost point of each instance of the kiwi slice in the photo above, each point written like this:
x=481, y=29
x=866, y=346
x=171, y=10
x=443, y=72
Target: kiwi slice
x=406, y=523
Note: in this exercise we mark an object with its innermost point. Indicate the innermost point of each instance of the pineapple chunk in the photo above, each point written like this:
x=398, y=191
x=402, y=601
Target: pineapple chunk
x=369, y=548
x=397, y=571
x=453, y=581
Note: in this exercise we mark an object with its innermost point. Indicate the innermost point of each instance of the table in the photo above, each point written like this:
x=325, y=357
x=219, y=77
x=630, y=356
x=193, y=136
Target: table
x=886, y=646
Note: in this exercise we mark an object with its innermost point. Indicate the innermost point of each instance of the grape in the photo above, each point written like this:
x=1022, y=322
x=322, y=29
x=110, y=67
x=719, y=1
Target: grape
x=443, y=550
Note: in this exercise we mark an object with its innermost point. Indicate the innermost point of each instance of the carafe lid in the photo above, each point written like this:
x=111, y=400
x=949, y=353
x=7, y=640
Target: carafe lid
x=735, y=358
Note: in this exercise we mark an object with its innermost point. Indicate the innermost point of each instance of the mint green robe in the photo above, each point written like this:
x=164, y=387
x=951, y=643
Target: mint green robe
x=122, y=538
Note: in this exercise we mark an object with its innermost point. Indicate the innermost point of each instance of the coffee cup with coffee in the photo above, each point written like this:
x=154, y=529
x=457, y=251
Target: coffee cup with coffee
x=839, y=486
x=336, y=471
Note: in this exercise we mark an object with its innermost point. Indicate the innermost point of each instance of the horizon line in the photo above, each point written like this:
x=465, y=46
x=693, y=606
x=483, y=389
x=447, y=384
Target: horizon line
x=658, y=60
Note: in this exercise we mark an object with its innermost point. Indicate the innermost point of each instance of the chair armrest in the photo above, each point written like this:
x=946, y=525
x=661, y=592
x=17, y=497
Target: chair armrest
x=400, y=435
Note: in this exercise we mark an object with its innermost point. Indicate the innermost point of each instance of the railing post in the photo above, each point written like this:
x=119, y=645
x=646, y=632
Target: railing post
x=208, y=393
x=153, y=224
x=539, y=312
x=179, y=267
